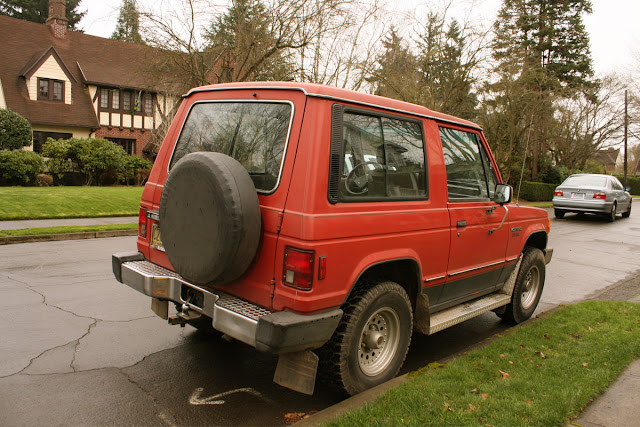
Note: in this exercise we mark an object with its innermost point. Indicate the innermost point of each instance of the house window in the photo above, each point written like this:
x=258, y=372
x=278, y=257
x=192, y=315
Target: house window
x=115, y=100
x=129, y=145
x=104, y=98
x=39, y=138
x=50, y=90
x=126, y=100
x=148, y=103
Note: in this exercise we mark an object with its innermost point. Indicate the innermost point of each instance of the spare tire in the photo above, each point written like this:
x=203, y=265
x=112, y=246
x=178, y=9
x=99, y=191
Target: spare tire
x=210, y=218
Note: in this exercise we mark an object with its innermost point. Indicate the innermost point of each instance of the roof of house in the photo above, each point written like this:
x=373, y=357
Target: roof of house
x=87, y=59
x=607, y=157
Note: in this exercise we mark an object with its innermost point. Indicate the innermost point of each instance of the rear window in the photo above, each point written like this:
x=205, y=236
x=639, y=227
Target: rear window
x=253, y=133
x=586, y=181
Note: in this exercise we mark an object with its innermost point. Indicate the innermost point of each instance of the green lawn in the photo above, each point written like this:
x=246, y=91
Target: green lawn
x=66, y=229
x=18, y=203
x=542, y=374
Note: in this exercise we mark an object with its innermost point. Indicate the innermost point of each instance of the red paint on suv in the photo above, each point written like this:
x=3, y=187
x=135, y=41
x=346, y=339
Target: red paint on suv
x=325, y=225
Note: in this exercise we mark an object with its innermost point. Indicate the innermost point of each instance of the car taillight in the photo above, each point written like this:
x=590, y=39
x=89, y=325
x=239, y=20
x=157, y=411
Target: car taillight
x=601, y=196
x=298, y=268
x=558, y=194
x=142, y=222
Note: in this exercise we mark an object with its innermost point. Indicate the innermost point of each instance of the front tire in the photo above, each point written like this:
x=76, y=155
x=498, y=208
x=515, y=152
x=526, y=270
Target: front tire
x=627, y=214
x=528, y=287
x=371, y=342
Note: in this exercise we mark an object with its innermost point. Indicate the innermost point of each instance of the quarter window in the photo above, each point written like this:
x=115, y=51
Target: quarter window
x=470, y=174
x=383, y=158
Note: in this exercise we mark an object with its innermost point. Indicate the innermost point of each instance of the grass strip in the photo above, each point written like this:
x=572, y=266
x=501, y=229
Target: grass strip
x=543, y=373
x=19, y=203
x=66, y=229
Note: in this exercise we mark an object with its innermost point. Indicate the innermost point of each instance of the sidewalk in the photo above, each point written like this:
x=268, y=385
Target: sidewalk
x=38, y=223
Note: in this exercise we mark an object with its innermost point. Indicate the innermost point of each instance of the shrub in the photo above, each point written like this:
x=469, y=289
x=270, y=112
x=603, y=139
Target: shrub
x=536, y=191
x=136, y=170
x=20, y=167
x=44, y=180
x=15, y=131
x=58, y=163
x=93, y=157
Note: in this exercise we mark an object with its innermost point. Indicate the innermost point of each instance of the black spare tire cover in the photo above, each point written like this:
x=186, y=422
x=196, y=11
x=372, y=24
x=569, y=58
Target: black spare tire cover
x=209, y=218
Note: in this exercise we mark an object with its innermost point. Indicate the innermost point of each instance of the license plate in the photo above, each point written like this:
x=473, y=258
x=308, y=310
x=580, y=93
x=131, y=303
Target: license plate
x=156, y=240
x=577, y=196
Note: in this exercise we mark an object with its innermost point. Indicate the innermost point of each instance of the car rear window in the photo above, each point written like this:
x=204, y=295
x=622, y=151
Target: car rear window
x=253, y=133
x=586, y=181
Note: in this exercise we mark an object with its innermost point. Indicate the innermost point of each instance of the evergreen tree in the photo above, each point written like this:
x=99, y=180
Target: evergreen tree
x=549, y=35
x=128, y=26
x=446, y=64
x=397, y=73
x=246, y=45
x=542, y=50
x=38, y=11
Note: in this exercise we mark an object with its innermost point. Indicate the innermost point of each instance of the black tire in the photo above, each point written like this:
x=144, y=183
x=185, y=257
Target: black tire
x=528, y=287
x=612, y=215
x=377, y=316
x=559, y=213
x=210, y=218
x=627, y=214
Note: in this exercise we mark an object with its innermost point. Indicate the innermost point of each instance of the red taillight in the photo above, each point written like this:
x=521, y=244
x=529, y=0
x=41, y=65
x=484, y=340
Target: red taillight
x=142, y=222
x=298, y=268
x=601, y=196
x=558, y=194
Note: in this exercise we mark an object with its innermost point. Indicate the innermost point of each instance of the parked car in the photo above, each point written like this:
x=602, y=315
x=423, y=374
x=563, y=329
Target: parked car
x=592, y=193
x=326, y=226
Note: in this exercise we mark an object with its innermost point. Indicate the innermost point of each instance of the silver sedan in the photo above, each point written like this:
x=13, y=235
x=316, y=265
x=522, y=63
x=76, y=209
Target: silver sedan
x=594, y=193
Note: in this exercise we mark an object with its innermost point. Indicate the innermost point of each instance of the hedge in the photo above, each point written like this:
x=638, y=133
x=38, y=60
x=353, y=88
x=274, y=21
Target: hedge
x=536, y=191
x=20, y=167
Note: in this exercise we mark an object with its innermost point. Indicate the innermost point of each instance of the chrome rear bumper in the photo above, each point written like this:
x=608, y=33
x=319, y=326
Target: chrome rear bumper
x=273, y=332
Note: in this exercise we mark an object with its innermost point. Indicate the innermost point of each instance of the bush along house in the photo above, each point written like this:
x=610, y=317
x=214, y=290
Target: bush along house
x=69, y=84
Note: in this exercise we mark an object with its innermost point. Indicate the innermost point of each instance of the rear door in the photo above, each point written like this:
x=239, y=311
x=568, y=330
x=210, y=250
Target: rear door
x=478, y=250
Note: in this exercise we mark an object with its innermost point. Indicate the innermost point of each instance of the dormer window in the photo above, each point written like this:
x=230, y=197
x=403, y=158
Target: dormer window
x=50, y=90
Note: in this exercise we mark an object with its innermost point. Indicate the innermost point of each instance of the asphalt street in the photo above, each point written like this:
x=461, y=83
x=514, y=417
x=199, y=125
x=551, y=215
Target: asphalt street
x=79, y=348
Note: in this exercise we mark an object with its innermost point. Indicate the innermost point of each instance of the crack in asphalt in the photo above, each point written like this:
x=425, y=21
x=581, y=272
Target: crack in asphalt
x=167, y=415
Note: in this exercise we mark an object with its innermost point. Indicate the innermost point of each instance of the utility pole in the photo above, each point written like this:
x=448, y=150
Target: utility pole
x=626, y=126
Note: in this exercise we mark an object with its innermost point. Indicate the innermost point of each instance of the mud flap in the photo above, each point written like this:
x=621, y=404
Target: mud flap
x=297, y=371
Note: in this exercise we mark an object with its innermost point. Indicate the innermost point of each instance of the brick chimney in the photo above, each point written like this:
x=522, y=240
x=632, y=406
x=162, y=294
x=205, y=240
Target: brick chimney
x=57, y=19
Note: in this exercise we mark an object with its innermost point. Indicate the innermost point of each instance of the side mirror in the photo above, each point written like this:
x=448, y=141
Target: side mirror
x=628, y=189
x=503, y=194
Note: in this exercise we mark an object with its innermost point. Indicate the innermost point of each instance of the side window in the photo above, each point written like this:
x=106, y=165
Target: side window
x=382, y=158
x=616, y=184
x=470, y=175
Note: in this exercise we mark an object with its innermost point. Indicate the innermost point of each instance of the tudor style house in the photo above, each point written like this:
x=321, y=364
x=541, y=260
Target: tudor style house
x=69, y=84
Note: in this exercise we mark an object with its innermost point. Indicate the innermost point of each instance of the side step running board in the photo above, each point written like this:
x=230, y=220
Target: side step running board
x=466, y=311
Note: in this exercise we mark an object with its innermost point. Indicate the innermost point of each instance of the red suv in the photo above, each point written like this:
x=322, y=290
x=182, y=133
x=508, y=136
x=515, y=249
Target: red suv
x=326, y=225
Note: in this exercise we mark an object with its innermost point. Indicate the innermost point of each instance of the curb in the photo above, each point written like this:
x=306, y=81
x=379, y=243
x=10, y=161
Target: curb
x=9, y=240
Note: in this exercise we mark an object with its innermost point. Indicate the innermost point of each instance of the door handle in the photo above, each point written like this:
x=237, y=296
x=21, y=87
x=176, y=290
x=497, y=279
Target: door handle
x=461, y=224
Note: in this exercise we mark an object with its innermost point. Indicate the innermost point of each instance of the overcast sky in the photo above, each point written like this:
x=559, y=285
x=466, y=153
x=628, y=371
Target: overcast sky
x=613, y=26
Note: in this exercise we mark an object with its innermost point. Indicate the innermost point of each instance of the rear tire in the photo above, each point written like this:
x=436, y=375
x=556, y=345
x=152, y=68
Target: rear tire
x=371, y=342
x=612, y=215
x=528, y=287
x=559, y=213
